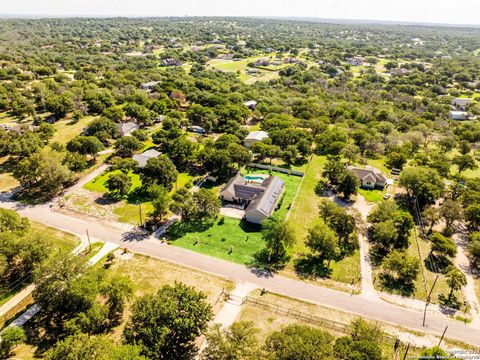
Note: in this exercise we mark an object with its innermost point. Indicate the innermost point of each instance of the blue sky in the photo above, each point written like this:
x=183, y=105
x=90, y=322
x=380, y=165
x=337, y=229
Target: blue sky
x=437, y=11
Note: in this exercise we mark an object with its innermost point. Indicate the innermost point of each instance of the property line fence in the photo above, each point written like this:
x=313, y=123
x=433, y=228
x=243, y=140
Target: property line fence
x=276, y=168
x=305, y=316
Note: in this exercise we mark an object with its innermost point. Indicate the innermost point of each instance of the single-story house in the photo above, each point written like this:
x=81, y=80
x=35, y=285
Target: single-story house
x=461, y=103
x=149, y=86
x=251, y=104
x=170, y=62
x=145, y=156
x=458, y=115
x=370, y=178
x=399, y=71
x=196, y=129
x=126, y=129
x=356, y=61
x=252, y=71
x=260, y=199
x=262, y=62
x=254, y=137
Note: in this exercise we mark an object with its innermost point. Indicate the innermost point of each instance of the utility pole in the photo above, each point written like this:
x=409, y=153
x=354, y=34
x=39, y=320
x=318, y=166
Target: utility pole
x=88, y=237
x=140, y=212
x=427, y=300
x=406, y=351
x=441, y=339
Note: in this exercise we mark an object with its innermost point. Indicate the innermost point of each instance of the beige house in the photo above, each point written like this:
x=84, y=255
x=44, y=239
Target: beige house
x=254, y=137
x=370, y=178
x=260, y=199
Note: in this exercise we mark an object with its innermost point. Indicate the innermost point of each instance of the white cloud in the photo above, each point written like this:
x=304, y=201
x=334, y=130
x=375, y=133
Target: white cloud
x=442, y=11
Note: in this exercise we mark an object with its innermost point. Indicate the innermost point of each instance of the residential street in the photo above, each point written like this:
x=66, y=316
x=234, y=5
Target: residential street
x=370, y=308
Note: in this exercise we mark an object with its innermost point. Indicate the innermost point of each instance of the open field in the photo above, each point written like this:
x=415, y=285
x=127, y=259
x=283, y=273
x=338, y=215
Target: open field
x=66, y=130
x=373, y=195
x=8, y=182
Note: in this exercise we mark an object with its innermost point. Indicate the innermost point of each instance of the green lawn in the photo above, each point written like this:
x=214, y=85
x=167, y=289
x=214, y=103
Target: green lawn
x=8, y=182
x=219, y=239
x=98, y=184
x=67, y=130
x=128, y=210
x=372, y=195
x=304, y=212
x=61, y=241
x=229, y=239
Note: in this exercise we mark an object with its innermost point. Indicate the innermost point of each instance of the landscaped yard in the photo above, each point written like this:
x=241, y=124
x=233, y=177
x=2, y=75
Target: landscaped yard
x=372, y=195
x=98, y=184
x=230, y=239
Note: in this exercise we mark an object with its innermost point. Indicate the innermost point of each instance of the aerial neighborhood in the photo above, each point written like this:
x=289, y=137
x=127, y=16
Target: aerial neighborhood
x=238, y=188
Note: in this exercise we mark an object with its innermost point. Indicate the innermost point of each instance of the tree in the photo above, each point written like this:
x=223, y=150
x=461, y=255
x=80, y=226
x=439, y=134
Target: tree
x=126, y=146
x=43, y=174
x=349, y=184
x=116, y=290
x=346, y=348
x=203, y=205
x=434, y=353
x=238, y=342
x=431, y=216
x=278, y=237
x=118, y=184
x=167, y=323
x=464, y=162
x=299, y=342
x=160, y=201
x=424, y=183
x=323, y=240
x=364, y=330
x=455, y=279
x=159, y=171
x=474, y=248
x=334, y=170
x=10, y=221
x=11, y=337
x=442, y=245
x=103, y=129
x=472, y=216
x=400, y=269
x=84, y=347
x=85, y=145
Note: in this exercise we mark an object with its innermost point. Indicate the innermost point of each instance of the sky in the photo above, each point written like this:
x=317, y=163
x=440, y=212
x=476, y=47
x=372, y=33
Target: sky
x=430, y=11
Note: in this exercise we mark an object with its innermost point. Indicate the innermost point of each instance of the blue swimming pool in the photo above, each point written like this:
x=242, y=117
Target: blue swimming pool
x=256, y=178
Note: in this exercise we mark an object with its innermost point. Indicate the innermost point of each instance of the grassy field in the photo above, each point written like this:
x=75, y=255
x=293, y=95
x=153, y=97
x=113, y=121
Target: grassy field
x=66, y=130
x=98, y=184
x=61, y=241
x=127, y=210
x=8, y=182
x=228, y=239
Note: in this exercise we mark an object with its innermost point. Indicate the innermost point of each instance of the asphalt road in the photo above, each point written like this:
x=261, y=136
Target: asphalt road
x=369, y=308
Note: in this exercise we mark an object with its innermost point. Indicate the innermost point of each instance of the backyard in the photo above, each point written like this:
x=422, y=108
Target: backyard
x=228, y=238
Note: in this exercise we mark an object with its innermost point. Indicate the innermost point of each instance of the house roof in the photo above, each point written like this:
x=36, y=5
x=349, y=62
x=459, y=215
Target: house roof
x=145, y=156
x=461, y=101
x=257, y=135
x=458, y=114
x=126, y=128
x=369, y=174
x=250, y=103
x=268, y=200
x=150, y=84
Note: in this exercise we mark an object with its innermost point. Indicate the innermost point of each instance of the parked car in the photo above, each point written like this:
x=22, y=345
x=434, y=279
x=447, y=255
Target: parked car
x=386, y=196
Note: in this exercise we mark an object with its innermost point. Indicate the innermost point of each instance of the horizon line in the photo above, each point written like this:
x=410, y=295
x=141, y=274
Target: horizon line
x=292, y=18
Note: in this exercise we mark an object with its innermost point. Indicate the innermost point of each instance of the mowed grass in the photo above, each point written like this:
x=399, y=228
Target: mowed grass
x=66, y=130
x=98, y=184
x=228, y=238
x=373, y=195
x=304, y=212
x=61, y=241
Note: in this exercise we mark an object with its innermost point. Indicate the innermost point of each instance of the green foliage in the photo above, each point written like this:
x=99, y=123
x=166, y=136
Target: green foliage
x=118, y=184
x=238, y=342
x=423, y=183
x=166, y=324
x=85, y=145
x=199, y=206
x=11, y=336
x=300, y=342
x=323, y=241
x=126, y=146
x=279, y=239
x=159, y=171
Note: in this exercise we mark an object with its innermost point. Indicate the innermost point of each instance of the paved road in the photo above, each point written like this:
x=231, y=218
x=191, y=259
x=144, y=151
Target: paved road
x=369, y=308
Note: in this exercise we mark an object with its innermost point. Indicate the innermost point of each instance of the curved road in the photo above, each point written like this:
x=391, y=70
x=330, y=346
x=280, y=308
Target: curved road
x=369, y=308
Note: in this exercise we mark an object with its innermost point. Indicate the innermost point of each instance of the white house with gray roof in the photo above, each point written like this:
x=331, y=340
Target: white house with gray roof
x=126, y=129
x=260, y=199
x=145, y=156
x=370, y=178
x=254, y=137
